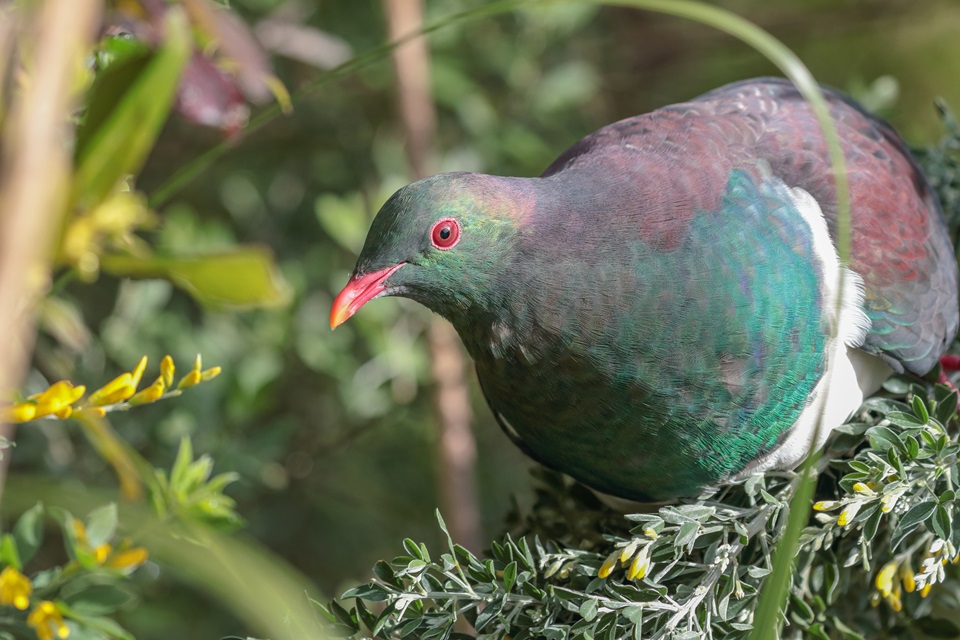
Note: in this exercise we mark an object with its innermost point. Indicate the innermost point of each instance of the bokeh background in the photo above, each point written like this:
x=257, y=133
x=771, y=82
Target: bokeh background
x=334, y=433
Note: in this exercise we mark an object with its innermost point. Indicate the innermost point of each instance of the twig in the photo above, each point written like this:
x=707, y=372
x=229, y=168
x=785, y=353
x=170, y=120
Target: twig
x=452, y=400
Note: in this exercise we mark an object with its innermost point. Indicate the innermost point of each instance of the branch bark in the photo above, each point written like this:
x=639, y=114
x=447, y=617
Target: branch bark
x=457, y=448
x=35, y=166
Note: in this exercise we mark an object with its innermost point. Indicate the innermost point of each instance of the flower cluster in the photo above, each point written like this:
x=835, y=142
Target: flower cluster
x=45, y=617
x=124, y=559
x=63, y=399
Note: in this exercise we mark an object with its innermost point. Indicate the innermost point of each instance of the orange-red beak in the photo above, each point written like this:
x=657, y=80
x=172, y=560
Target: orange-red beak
x=359, y=291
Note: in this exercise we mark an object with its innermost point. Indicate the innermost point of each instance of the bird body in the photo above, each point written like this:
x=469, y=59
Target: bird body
x=664, y=308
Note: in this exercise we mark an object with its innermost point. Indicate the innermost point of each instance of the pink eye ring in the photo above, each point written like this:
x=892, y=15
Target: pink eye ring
x=445, y=234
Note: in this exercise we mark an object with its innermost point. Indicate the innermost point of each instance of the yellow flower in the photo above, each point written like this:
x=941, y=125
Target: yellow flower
x=650, y=533
x=117, y=390
x=884, y=579
x=189, y=380
x=860, y=487
x=20, y=412
x=640, y=565
x=48, y=622
x=907, y=576
x=849, y=513
x=138, y=372
x=825, y=505
x=56, y=400
x=101, y=553
x=607, y=567
x=166, y=371
x=151, y=394
x=926, y=590
x=629, y=550
x=128, y=560
x=15, y=588
x=210, y=373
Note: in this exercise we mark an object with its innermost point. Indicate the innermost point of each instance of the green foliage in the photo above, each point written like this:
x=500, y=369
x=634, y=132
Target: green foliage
x=695, y=569
x=189, y=493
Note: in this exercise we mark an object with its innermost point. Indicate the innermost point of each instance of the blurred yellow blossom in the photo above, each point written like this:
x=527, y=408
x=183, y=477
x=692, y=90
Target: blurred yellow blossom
x=885, y=577
x=167, y=370
x=150, y=394
x=15, y=588
x=48, y=622
x=128, y=559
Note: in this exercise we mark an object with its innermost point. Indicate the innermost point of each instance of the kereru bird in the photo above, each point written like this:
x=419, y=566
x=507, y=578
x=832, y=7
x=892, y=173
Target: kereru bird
x=664, y=308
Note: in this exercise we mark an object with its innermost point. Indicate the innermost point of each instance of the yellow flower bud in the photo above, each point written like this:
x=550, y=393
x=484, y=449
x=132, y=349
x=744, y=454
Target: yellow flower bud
x=101, y=553
x=117, y=390
x=926, y=590
x=825, y=505
x=906, y=575
x=628, y=550
x=210, y=373
x=848, y=514
x=138, y=372
x=884, y=579
x=860, y=487
x=128, y=560
x=48, y=621
x=56, y=397
x=167, y=370
x=640, y=565
x=150, y=394
x=607, y=567
x=650, y=533
x=20, y=412
x=79, y=531
x=15, y=588
x=189, y=380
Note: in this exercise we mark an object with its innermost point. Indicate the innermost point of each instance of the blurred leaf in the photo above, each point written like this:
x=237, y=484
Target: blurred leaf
x=97, y=599
x=126, y=60
x=241, y=277
x=101, y=525
x=28, y=532
x=344, y=219
x=9, y=554
x=121, y=140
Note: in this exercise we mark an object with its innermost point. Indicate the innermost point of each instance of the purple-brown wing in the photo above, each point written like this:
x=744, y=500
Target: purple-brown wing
x=683, y=155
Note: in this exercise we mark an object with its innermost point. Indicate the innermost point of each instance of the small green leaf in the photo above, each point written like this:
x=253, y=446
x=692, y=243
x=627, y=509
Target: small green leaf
x=589, y=608
x=99, y=599
x=509, y=576
x=371, y=592
x=28, y=532
x=119, y=143
x=101, y=525
x=947, y=407
x=9, y=554
x=941, y=522
x=886, y=438
x=412, y=548
x=917, y=514
x=920, y=409
x=245, y=276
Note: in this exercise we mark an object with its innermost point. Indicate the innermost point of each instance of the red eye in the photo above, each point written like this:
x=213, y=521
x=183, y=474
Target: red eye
x=445, y=234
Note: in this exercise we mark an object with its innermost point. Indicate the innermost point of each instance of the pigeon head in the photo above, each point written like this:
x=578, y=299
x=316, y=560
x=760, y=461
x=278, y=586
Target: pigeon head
x=444, y=242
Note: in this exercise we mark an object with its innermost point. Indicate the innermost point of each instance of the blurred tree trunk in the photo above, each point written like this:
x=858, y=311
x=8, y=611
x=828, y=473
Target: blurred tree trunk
x=34, y=162
x=457, y=450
